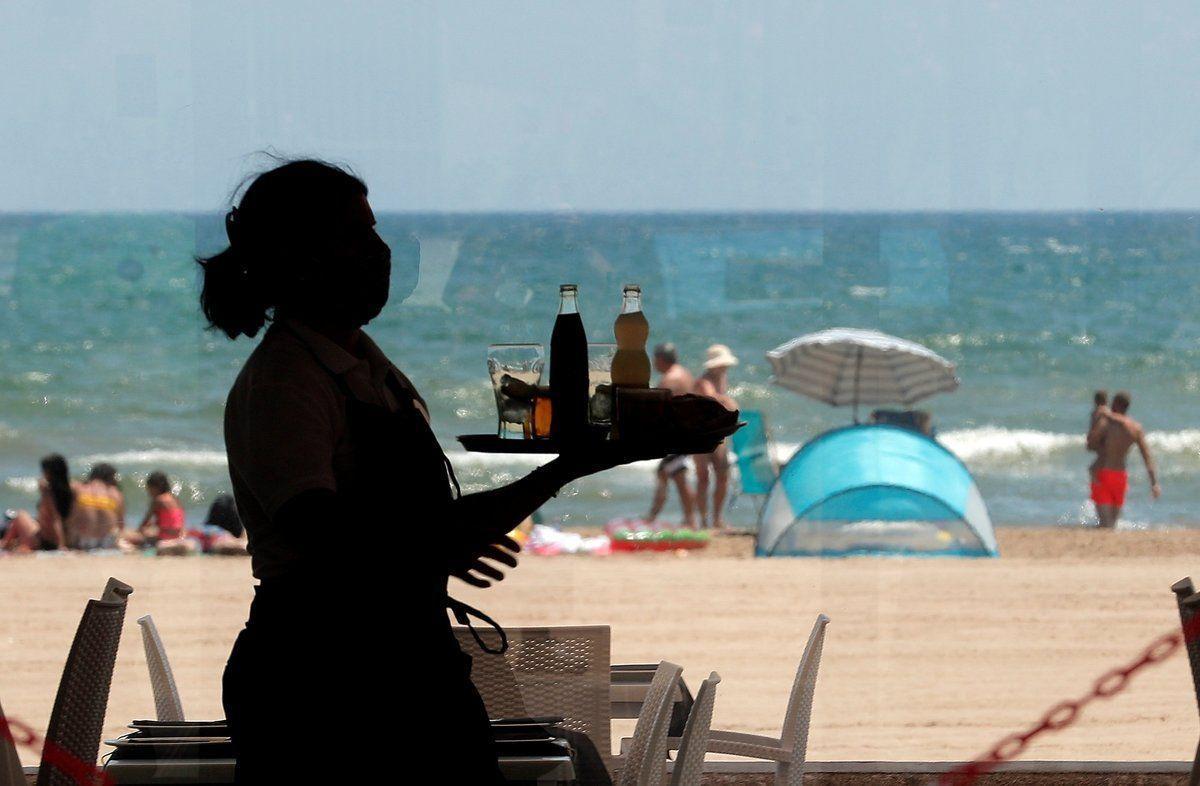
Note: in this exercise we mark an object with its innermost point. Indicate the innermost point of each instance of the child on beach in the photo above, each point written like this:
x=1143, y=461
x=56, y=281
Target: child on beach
x=163, y=525
x=1100, y=411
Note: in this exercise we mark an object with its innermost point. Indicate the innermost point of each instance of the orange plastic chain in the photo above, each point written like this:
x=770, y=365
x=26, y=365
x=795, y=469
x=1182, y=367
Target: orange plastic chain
x=1065, y=713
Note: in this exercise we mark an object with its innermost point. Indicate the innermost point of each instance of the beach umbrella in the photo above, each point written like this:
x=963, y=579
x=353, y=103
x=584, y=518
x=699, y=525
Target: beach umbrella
x=846, y=366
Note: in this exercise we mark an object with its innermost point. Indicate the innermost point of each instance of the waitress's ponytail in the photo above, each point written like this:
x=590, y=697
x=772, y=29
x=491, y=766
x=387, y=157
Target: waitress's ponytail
x=282, y=211
x=229, y=301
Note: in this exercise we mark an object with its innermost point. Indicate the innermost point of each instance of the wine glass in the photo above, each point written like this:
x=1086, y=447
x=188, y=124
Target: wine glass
x=516, y=371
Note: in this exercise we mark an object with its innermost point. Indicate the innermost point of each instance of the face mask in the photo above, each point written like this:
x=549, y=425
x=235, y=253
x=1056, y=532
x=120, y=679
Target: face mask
x=350, y=292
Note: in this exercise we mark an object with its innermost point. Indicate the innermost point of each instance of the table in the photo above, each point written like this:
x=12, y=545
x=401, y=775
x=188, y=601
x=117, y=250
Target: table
x=202, y=772
x=629, y=683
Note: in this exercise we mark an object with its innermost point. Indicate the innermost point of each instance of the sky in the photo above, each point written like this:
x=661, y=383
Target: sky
x=657, y=105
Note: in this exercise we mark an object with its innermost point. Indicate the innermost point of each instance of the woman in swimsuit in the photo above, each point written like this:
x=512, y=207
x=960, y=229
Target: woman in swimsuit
x=163, y=524
x=714, y=383
x=46, y=532
x=321, y=430
x=99, y=513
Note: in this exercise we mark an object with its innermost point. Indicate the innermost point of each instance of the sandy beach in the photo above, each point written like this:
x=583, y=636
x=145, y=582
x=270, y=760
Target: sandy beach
x=926, y=659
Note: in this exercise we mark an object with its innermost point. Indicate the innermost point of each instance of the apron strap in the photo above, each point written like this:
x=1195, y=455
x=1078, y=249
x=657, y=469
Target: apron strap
x=463, y=613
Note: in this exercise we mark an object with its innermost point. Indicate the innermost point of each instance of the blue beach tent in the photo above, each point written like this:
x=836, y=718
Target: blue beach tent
x=875, y=489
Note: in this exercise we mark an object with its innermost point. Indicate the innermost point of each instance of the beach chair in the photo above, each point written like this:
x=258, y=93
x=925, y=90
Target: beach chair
x=550, y=672
x=11, y=773
x=756, y=465
x=167, y=704
x=77, y=720
x=1189, y=607
x=789, y=749
x=645, y=762
x=689, y=764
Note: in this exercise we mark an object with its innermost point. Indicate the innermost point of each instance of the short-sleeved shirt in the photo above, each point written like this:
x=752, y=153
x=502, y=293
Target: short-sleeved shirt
x=285, y=428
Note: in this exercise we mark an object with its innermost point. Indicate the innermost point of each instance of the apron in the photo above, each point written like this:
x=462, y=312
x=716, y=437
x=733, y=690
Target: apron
x=365, y=650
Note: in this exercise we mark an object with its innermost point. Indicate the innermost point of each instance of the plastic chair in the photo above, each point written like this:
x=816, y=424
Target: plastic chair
x=645, y=763
x=757, y=469
x=689, y=764
x=1189, y=606
x=790, y=748
x=556, y=672
x=77, y=720
x=11, y=773
x=167, y=704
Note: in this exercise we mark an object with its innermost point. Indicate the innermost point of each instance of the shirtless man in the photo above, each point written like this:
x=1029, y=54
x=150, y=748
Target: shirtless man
x=679, y=381
x=1111, y=437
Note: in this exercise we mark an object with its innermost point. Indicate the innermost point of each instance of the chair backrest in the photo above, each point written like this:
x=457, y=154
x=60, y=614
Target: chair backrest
x=794, y=735
x=77, y=720
x=558, y=672
x=167, y=704
x=11, y=773
x=1189, y=608
x=645, y=763
x=689, y=763
x=756, y=465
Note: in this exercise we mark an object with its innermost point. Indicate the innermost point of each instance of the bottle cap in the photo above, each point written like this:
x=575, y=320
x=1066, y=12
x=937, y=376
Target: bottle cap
x=568, y=287
x=633, y=288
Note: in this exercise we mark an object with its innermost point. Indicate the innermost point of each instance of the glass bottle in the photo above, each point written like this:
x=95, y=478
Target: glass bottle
x=631, y=364
x=568, y=368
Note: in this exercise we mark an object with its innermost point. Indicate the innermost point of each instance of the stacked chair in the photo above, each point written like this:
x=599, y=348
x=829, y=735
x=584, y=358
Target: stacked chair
x=72, y=741
x=560, y=672
x=167, y=704
x=11, y=773
x=790, y=748
x=77, y=720
x=1188, y=601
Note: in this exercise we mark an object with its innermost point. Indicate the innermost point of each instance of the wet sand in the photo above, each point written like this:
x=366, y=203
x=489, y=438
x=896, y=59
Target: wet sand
x=926, y=659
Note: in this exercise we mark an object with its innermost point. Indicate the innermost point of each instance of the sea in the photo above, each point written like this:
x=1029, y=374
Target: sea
x=104, y=354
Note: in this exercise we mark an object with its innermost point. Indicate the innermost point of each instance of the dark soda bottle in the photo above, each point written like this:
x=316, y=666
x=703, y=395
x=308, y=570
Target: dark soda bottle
x=568, y=368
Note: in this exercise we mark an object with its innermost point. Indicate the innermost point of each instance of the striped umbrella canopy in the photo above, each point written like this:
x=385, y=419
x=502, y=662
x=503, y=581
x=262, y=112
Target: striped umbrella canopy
x=844, y=366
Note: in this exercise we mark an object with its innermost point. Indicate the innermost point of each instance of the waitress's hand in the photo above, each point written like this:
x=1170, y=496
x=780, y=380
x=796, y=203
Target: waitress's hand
x=473, y=570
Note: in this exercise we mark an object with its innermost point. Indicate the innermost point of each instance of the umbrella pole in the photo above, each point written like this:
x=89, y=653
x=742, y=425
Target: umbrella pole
x=857, y=374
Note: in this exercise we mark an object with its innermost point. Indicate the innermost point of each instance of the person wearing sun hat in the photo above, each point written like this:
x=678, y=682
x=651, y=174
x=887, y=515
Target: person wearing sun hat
x=714, y=383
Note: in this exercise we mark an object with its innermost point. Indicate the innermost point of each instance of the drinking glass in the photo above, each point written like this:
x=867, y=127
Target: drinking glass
x=600, y=399
x=514, y=366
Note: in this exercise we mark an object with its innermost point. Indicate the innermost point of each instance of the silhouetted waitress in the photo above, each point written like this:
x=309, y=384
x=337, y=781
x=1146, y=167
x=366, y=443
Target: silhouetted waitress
x=347, y=668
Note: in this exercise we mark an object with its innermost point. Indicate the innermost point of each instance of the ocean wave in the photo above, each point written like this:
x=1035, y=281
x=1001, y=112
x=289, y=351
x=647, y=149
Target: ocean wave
x=190, y=458
x=26, y=485
x=493, y=462
x=998, y=442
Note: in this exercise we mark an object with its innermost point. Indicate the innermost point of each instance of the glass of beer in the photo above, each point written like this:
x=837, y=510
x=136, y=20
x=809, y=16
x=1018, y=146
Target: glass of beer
x=600, y=398
x=516, y=371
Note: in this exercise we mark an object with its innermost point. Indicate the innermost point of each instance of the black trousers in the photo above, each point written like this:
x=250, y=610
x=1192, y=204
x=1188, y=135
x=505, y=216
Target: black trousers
x=319, y=692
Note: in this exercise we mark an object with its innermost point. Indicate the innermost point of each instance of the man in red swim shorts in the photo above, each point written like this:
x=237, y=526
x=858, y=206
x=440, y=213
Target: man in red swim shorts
x=1111, y=437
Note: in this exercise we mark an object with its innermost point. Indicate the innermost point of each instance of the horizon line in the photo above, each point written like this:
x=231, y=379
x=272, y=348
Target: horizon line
x=563, y=213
